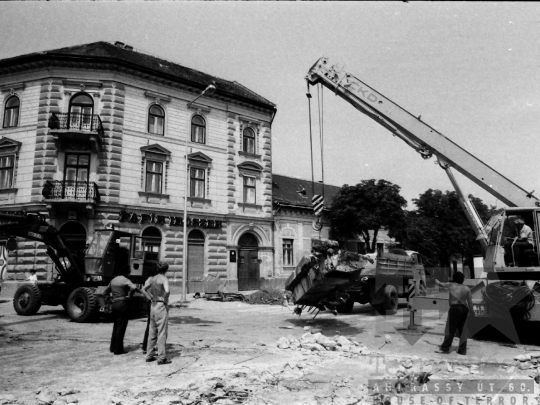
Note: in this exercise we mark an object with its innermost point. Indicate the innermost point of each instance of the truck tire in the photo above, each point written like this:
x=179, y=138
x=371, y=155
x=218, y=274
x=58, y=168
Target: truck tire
x=391, y=300
x=346, y=307
x=27, y=299
x=82, y=305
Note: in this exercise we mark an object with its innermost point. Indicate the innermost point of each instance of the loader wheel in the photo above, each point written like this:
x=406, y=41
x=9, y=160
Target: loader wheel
x=27, y=299
x=82, y=305
x=346, y=307
x=391, y=300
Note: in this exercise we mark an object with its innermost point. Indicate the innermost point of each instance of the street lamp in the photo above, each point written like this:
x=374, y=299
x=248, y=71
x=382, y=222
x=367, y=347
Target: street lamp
x=208, y=91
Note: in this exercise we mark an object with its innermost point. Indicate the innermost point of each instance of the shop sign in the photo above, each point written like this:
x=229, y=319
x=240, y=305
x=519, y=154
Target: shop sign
x=155, y=219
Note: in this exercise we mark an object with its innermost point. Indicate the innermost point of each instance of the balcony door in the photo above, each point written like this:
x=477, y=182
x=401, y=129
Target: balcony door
x=76, y=175
x=81, y=109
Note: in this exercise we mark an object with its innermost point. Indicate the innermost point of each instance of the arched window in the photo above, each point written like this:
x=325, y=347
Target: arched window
x=249, y=140
x=195, y=264
x=74, y=234
x=156, y=120
x=81, y=109
x=11, y=112
x=198, y=129
x=152, y=245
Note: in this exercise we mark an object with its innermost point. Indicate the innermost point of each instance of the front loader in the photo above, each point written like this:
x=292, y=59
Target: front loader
x=81, y=276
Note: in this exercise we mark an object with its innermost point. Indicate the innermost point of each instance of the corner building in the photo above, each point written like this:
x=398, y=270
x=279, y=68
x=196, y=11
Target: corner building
x=95, y=135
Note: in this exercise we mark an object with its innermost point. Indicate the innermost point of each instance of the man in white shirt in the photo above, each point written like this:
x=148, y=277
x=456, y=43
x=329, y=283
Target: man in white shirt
x=523, y=241
x=32, y=278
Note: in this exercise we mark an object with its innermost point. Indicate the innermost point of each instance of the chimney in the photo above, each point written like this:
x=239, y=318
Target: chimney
x=119, y=44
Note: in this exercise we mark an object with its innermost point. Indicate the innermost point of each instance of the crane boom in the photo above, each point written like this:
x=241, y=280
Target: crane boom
x=417, y=134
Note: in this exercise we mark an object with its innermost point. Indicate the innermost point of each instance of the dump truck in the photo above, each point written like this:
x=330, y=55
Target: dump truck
x=508, y=290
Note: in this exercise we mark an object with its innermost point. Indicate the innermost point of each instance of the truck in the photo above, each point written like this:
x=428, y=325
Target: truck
x=334, y=279
x=508, y=290
x=81, y=276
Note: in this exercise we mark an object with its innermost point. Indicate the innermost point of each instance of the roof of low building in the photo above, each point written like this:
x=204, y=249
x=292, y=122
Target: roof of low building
x=127, y=56
x=298, y=192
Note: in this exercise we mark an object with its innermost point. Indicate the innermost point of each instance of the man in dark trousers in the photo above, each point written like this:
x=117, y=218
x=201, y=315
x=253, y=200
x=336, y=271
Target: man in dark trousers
x=122, y=290
x=158, y=292
x=460, y=307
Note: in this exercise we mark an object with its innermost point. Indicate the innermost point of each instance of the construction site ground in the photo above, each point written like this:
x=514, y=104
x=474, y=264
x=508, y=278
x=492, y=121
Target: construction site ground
x=227, y=352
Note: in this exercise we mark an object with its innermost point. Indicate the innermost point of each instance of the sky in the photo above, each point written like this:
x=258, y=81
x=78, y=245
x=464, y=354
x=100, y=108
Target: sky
x=471, y=70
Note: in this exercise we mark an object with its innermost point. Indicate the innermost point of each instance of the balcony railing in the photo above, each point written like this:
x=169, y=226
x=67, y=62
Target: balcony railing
x=71, y=190
x=76, y=122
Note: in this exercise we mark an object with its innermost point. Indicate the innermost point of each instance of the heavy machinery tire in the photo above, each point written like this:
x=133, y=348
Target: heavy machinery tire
x=82, y=304
x=391, y=300
x=27, y=299
x=346, y=307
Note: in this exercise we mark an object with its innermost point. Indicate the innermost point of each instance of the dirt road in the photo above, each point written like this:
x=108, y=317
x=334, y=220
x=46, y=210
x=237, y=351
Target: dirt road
x=227, y=352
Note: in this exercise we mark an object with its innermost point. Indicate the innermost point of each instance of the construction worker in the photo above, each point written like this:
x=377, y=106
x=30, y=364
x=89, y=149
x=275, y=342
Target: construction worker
x=158, y=292
x=122, y=290
x=516, y=246
x=460, y=307
x=149, y=308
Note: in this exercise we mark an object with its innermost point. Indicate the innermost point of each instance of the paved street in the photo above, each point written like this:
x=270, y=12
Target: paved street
x=211, y=339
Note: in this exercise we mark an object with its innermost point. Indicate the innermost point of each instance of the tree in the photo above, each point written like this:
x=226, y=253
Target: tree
x=439, y=229
x=370, y=205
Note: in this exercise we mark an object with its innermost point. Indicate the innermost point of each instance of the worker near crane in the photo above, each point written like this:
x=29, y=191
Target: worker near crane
x=158, y=292
x=515, y=247
x=122, y=289
x=149, y=308
x=460, y=307
x=32, y=278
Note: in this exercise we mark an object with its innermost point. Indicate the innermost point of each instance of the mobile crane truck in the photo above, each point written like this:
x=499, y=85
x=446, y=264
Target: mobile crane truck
x=509, y=290
x=81, y=276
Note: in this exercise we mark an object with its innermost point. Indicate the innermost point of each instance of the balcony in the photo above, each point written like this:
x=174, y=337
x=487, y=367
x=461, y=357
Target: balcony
x=77, y=131
x=71, y=195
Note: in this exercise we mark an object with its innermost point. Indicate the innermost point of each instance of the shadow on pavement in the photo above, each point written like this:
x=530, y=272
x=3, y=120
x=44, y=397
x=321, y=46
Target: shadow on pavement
x=329, y=327
x=190, y=320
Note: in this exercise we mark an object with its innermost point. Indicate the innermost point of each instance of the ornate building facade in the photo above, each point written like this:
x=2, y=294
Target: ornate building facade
x=95, y=135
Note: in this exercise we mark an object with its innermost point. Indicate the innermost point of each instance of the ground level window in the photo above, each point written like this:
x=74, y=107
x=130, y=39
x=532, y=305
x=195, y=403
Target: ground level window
x=287, y=252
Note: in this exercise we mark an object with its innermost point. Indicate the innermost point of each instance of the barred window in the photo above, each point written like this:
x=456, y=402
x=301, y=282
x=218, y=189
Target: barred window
x=288, y=252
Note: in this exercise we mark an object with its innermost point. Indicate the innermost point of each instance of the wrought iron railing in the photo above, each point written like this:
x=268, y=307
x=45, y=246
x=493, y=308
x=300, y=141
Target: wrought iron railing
x=78, y=122
x=72, y=190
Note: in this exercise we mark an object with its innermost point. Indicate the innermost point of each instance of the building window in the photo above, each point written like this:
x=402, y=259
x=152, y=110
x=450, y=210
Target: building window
x=156, y=120
x=7, y=167
x=196, y=183
x=154, y=175
x=198, y=129
x=249, y=190
x=11, y=112
x=81, y=109
x=77, y=168
x=288, y=252
x=249, y=141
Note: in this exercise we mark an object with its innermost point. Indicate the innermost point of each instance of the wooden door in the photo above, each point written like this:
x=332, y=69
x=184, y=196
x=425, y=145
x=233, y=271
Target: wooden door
x=248, y=270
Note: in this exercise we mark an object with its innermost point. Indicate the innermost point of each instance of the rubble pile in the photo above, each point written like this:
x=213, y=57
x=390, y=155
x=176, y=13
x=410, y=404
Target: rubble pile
x=315, y=341
x=269, y=296
x=46, y=396
x=528, y=361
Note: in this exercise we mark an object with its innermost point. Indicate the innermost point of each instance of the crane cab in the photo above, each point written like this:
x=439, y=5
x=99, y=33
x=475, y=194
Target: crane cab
x=505, y=252
x=110, y=250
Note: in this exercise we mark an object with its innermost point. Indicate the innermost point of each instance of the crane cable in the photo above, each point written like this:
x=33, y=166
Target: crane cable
x=308, y=95
x=320, y=101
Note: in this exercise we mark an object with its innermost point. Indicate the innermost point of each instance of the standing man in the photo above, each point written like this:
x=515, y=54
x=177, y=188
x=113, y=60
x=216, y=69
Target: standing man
x=460, y=306
x=122, y=290
x=158, y=292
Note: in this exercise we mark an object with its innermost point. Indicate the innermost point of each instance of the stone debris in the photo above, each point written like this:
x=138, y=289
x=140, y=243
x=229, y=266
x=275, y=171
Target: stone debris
x=317, y=342
x=522, y=357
